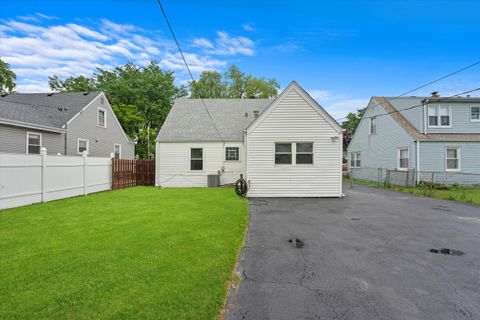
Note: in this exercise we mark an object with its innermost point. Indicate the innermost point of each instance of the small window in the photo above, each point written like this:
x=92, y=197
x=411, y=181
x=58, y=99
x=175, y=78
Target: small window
x=453, y=159
x=232, y=153
x=82, y=145
x=34, y=143
x=196, y=159
x=373, y=125
x=304, y=154
x=439, y=116
x=102, y=118
x=117, y=151
x=403, y=156
x=283, y=153
x=355, y=160
x=475, y=114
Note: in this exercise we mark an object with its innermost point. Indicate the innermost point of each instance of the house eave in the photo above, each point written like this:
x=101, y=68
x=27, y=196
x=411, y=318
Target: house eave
x=31, y=126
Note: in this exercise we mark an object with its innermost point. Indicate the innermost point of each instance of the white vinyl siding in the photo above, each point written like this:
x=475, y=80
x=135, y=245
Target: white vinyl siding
x=452, y=159
x=294, y=120
x=34, y=142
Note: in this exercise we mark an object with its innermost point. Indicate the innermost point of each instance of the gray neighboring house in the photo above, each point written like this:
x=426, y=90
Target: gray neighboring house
x=65, y=123
x=425, y=134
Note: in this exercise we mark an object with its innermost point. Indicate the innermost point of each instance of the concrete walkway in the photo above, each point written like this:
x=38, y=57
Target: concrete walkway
x=365, y=256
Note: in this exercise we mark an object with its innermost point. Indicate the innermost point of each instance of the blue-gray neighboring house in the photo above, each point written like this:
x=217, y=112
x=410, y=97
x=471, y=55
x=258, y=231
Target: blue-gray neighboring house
x=65, y=123
x=420, y=135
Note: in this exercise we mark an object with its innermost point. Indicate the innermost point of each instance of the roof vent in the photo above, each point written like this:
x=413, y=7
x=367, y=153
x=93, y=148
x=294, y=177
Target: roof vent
x=4, y=94
x=85, y=93
x=246, y=114
x=435, y=94
x=256, y=113
x=50, y=94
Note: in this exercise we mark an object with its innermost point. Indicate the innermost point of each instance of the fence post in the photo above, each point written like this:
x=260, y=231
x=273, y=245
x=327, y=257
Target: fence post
x=112, y=157
x=84, y=155
x=43, y=153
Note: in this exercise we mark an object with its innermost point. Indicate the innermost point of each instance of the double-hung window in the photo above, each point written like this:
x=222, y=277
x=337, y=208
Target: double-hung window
x=283, y=153
x=34, y=142
x=355, y=160
x=475, y=114
x=294, y=153
x=102, y=117
x=373, y=125
x=304, y=153
x=452, y=159
x=232, y=153
x=82, y=145
x=117, y=150
x=196, y=159
x=439, y=116
x=403, y=157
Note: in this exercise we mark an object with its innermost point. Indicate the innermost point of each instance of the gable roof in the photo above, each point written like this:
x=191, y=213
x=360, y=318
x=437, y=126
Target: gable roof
x=396, y=114
x=188, y=119
x=313, y=103
x=42, y=109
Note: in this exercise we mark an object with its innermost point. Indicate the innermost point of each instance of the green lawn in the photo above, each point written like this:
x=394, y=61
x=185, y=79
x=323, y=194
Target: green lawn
x=469, y=195
x=135, y=253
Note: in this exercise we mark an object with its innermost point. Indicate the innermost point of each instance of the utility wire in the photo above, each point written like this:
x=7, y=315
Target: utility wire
x=186, y=64
x=427, y=84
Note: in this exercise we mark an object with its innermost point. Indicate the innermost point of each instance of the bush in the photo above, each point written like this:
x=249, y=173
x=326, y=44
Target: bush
x=433, y=185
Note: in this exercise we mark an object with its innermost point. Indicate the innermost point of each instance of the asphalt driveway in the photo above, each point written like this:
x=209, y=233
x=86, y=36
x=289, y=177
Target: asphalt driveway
x=365, y=256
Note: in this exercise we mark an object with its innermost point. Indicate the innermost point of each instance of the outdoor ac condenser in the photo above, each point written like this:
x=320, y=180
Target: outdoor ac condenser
x=213, y=180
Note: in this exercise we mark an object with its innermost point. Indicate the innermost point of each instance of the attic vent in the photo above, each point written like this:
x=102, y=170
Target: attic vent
x=102, y=100
x=435, y=94
x=256, y=113
x=85, y=93
x=50, y=94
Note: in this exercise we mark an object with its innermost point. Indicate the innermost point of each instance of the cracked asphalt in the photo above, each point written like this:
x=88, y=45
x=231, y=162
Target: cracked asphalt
x=365, y=257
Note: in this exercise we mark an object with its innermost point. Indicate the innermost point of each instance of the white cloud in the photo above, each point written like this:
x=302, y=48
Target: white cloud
x=338, y=109
x=226, y=45
x=319, y=94
x=248, y=27
x=36, y=51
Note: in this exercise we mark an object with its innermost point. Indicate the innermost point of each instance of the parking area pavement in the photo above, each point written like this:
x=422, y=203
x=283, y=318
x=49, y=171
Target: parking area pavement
x=365, y=256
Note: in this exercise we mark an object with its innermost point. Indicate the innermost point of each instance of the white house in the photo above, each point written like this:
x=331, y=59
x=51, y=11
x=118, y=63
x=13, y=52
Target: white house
x=285, y=147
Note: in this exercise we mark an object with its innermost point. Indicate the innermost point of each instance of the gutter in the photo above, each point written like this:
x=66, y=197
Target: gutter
x=31, y=126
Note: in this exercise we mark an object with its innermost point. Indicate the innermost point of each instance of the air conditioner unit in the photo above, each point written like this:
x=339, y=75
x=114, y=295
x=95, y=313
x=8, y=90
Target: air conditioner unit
x=213, y=180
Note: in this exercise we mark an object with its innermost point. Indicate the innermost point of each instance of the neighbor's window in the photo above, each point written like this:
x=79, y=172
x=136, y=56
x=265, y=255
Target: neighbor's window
x=439, y=116
x=304, y=153
x=283, y=153
x=355, y=160
x=373, y=125
x=117, y=151
x=475, y=113
x=82, y=145
x=102, y=118
x=453, y=159
x=232, y=153
x=196, y=159
x=34, y=143
x=403, y=155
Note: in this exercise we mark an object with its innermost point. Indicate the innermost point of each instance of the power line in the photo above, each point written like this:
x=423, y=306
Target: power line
x=186, y=64
x=428, y=83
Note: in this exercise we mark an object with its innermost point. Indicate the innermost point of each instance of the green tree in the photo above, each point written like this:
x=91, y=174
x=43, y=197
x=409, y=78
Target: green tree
x=208, y=86
x=7, y=78
x=353, y=120
x=72, y=84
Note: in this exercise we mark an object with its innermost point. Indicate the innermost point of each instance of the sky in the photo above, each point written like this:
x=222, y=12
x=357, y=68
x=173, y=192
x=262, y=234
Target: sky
x=341, y=52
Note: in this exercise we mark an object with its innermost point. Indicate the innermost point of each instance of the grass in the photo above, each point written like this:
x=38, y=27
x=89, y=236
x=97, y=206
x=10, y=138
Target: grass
x=463, y=194
x=135, y=253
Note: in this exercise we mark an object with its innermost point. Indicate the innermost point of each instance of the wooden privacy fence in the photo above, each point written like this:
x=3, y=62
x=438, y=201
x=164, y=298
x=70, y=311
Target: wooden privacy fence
x=130, y=173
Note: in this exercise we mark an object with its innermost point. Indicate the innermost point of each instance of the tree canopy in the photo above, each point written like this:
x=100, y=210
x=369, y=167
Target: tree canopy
x=353, y=120
x=7, y=78
x=232, y=84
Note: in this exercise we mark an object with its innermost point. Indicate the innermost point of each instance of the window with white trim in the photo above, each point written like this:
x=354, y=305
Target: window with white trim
x=403, y=158
x=439, y=116
x=34, y=142
x=232, y=153
x=373, y=125
x=117, y=150
x=283, y=153
x=196, y=159
x=82, y=145
x=452, y=160
x=304, y=153
x=355, y=160
x=475, y=114
x=102, y=118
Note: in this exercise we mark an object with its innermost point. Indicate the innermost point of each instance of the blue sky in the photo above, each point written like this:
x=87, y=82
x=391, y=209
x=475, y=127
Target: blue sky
x=342, y=52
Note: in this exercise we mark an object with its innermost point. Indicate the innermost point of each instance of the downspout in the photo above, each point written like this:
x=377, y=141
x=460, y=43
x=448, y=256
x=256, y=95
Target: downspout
x=424, y=116
x=418, y=161
x=65, y=139
x=245, y=142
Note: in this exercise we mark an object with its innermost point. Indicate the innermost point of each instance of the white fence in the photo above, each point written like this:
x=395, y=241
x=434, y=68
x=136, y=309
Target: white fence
x=27, y=179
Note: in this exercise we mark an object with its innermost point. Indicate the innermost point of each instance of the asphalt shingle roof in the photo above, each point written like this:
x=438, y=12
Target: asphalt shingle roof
x=42, y=109
x=189, y=121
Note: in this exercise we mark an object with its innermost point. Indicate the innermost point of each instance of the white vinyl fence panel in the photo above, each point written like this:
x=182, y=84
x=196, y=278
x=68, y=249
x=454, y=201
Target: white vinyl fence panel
x=27, y=179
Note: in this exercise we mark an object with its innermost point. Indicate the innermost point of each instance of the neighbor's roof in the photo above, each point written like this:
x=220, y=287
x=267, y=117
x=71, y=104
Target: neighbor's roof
x=189, y=121
x=42, y=109
x=408, y=102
